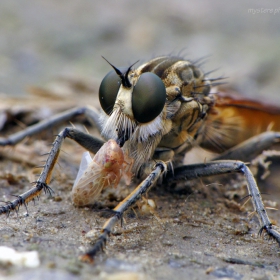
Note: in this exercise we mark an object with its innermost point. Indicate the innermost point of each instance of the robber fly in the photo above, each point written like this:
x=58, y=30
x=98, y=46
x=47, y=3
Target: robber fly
x=156, y=113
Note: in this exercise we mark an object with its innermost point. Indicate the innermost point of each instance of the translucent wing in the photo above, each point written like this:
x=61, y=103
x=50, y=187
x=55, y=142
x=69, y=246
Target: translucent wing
x=86, y=159
x=89, y=185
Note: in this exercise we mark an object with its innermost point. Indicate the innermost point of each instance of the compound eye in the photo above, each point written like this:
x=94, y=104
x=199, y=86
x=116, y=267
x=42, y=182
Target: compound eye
x=109, y=89
x=148, y=97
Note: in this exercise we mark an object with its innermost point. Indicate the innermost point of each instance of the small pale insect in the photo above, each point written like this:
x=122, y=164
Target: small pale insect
x=147, y=206
x=106, y=169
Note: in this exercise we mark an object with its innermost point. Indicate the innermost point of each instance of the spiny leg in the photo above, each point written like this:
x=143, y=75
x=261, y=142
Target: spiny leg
x=228, y=166
x=91, y=114
x=89, y=142
x=119, y=210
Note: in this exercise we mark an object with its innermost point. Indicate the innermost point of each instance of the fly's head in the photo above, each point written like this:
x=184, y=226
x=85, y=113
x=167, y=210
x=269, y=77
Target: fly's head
x=134, y=104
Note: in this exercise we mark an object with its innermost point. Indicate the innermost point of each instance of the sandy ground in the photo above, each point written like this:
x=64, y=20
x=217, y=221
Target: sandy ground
x=50, y=56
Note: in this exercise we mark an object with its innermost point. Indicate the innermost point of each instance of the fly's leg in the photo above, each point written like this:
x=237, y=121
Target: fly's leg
x=89, y=142
x=119, y=210
x=194, y=171
x=249, y=149
x=91, y=114
x=256, y=150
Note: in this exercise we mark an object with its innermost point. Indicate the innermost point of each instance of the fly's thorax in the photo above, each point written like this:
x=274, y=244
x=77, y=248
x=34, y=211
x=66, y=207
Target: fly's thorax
x=175, y=71
x=185, y=126
x=188, y=99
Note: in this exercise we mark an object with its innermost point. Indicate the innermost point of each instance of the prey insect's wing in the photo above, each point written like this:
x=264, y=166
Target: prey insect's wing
x=235, y=119
x=90, y=184
x=86, y=159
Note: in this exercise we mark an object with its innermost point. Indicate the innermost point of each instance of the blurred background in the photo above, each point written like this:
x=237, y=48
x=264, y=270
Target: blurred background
x=42, y=40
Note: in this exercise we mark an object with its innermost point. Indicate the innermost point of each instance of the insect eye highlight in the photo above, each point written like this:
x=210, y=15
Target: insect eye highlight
x=148, y=97
x=108, y=91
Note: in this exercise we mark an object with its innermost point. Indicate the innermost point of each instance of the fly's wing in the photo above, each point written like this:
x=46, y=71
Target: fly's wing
x=234, y=119
x=90, y=184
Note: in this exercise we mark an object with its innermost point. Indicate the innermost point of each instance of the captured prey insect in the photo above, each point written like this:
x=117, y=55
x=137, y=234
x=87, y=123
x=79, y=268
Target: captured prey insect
x=156, y=113
x=104, y=170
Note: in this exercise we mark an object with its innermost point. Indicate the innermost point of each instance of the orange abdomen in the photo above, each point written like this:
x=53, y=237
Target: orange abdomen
x=234, y=119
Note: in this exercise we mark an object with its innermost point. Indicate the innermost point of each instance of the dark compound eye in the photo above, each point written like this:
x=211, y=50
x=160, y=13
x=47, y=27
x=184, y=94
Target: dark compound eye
x=108, y=90
x=148, y=97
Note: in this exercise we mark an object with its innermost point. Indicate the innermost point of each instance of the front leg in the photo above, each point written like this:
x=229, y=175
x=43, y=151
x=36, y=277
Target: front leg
x=119, y=210
x=194, y=171
x=89, y=142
